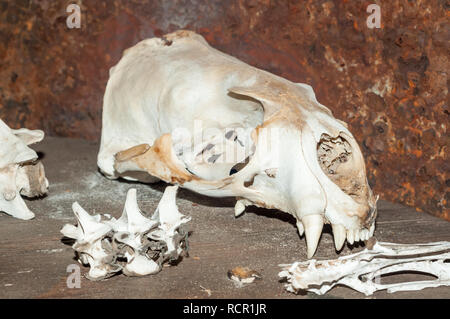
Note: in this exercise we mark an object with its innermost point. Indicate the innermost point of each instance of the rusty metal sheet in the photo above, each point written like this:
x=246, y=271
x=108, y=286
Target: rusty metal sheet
x=390, y=84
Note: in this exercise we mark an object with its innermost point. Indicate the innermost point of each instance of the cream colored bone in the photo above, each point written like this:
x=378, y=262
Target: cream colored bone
x=20, y=171
x=100, y=241
x=176, y=109
x=360, y=271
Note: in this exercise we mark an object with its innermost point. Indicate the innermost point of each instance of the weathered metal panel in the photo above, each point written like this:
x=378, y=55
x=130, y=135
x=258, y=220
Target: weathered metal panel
x=389, y=84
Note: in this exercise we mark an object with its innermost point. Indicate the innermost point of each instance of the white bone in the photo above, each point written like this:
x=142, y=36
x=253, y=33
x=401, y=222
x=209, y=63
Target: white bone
x=90, y=227
x=339, y=236
x=20, y=172
x=132, y=220
x=351, y=236
x=300, y=228
x=359, y=271
x=100, y=241
x=176, y=109
x=88, y=236
x=239, y=208
x=170, y=220
x=140, y=265
x=313, y=229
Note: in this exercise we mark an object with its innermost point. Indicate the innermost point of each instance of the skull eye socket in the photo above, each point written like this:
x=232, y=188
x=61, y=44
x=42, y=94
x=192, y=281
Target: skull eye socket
x=332, y=153
x=336, y=158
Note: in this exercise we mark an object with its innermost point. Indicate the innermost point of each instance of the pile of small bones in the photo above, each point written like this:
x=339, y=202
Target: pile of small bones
x=133, y=244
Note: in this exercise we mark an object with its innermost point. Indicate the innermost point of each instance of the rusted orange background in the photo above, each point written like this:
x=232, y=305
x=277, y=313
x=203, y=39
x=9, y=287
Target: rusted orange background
x=390, y=84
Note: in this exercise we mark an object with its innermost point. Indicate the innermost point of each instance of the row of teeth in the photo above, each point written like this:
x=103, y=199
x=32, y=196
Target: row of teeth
x=312, y=225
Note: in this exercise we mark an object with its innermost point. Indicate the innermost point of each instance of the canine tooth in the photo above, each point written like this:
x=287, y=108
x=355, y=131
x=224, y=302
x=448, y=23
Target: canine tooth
x=350, y=236
x=339, y=236
x=300, y=228
x=313, y=229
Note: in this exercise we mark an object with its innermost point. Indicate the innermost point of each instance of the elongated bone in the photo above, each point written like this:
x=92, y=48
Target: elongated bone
x=359, y=271
x=133, y=244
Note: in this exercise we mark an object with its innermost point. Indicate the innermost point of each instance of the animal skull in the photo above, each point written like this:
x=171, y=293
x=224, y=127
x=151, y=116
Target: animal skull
x=177, y=110
x=20, y=171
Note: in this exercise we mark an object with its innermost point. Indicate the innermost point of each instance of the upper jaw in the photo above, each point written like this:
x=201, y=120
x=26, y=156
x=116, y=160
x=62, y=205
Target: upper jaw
x=359, y=226
x=314, y=204
x=352, y=231
x=309, y=196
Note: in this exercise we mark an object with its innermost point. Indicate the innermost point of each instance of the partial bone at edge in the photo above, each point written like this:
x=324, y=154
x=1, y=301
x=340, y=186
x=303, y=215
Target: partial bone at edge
x=383, y=258
x=20, y=171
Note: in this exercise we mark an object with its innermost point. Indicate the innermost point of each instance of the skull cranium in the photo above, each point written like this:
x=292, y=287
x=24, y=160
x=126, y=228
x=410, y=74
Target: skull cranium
x=177, y=110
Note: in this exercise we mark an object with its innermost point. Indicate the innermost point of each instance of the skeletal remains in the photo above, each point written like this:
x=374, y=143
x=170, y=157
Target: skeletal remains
x=177, y=110
x=360, y=271
x=134, y=244
x=21, y=173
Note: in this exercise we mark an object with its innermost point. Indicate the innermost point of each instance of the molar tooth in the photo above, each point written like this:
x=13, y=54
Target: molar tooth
x=350, y=236
x=339, y=236
x=313, y=229
x=300, y=228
